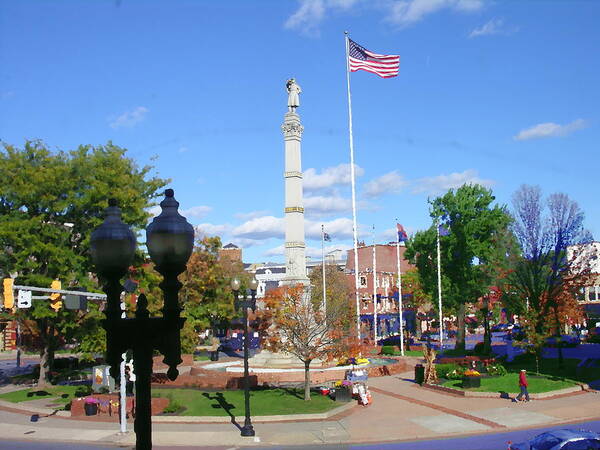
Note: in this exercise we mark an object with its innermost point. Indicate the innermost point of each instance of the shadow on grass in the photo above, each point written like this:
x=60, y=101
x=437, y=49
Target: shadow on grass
x=222, y=403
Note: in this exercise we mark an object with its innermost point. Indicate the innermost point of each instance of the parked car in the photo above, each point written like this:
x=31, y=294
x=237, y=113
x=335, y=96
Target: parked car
x=565, y=439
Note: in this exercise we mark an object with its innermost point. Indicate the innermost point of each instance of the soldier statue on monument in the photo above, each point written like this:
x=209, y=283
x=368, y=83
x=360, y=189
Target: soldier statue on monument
x=293, y=94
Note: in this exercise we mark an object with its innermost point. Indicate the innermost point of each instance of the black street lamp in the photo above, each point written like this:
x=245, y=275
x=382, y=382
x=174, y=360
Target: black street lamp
x=245, y=302
x=487, y=337
x=170, y=241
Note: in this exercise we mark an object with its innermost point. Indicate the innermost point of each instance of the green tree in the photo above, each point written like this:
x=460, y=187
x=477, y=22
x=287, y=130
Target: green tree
x=473, y=222
x=338, y=290
x=206, y=294
x=47, y=213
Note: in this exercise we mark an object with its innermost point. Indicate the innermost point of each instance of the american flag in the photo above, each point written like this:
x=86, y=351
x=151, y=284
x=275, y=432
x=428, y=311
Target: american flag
x=386, y=66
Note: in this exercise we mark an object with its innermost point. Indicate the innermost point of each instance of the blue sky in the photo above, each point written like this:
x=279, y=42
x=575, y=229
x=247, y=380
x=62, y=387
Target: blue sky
x=497, y=92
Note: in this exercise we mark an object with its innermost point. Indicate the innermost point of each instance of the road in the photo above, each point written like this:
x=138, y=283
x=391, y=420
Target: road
x=490, y=441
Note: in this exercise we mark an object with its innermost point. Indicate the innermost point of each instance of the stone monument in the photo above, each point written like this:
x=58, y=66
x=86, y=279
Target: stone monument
x=295, y=248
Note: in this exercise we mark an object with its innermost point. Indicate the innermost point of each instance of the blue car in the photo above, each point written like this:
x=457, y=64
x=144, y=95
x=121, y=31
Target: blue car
x=567, y=439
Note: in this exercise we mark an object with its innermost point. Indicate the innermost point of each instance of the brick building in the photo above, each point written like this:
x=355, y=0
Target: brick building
x=386, y=290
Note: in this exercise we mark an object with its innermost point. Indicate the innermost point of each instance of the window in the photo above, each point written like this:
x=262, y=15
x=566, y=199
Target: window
x=593, y=293
x=582, y=444
x=363, y=281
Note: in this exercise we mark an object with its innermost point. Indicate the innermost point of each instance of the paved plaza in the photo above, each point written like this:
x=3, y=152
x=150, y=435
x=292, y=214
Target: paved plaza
x=401, y=410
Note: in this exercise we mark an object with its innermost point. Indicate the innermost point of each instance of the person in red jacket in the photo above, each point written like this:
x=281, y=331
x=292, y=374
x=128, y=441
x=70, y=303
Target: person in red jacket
x=523, y=386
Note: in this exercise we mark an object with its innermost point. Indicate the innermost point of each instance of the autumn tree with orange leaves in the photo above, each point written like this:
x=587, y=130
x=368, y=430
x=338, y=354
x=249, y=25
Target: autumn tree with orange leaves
x=303, y=330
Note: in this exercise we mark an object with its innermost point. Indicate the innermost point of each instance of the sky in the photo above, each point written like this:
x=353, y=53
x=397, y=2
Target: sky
x=501, y=93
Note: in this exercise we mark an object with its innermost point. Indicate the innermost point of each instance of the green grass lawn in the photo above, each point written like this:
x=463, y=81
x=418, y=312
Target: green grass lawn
x=549, y=366
x=406, y=353
x=57, y=394
x=263, y=402
x=510, y=383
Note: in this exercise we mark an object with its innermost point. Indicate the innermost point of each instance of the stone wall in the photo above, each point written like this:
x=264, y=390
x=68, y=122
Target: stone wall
x=212, y=379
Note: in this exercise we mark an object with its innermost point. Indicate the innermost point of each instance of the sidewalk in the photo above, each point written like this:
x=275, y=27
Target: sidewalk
x=401, y=410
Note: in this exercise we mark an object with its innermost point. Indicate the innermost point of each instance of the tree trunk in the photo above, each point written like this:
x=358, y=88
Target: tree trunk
x=47, y=351
x=460, y=332
x=559, y=344
x=307, y=380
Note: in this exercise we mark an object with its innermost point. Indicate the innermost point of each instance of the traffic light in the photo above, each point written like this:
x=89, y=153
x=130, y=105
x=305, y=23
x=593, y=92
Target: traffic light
x=55, y=298
x=9, y=298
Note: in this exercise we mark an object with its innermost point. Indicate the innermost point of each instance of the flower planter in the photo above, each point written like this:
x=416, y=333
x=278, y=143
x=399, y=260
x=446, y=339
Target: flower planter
x=471, y=381
x=91, y=409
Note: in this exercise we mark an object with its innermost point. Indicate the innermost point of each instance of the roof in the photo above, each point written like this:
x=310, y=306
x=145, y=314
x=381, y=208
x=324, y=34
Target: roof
x=230, y=246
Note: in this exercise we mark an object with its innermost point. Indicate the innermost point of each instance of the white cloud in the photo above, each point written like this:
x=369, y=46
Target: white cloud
x=390, y=183
x=331, y=176
x=129, y=118
x=246, y=243
x=408, y=12
x=550, y=129
x=251, y=215
x=308, y=17
x=196, y=211
x=442, y=183
x=183, y=149
x=316, y=252
x=311, y=13
x=324, y=205
x=261, y=228
x=494, y=26
x=338, y=229
x=276, y=251
x=154, y=211
x=209, y=229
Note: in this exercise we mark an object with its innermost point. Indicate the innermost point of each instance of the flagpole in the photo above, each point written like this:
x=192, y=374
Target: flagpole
x=439, y=280
x=374, y=286
x=400, y=293
x=323, y=260
x=353, y=184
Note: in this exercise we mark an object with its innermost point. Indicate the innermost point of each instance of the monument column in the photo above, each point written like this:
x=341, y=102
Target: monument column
x=295, y=248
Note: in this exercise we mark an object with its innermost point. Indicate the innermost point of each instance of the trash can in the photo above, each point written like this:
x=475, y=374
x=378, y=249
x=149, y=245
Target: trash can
x=343, y=394
x=91, y=409
x=419, y=373
x=214, y=356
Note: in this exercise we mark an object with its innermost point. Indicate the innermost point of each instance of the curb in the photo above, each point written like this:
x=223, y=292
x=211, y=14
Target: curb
x=257, y=419
x=29, y=409
x=581, y=387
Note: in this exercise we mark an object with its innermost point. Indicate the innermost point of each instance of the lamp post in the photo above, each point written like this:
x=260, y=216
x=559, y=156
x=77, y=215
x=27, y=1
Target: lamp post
x=487, y=338
x=170, y=241
x=245, y=302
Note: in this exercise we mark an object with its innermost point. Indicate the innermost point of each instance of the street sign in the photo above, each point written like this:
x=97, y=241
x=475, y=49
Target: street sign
x=24, y=299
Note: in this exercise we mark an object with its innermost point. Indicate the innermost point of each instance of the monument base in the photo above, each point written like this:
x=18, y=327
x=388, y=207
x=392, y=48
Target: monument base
x=267, y=358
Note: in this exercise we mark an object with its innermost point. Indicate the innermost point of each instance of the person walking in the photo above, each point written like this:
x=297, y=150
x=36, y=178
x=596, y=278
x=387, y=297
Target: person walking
x=523, y=386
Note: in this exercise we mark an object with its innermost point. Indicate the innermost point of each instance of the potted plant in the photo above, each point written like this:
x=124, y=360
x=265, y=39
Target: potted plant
x=471, y=379
x=90, y=406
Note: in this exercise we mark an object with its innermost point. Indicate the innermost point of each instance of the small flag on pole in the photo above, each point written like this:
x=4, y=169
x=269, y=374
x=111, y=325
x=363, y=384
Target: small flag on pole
x=326, y=237
x=402, y=236
x=443, y=230
x=386, y=66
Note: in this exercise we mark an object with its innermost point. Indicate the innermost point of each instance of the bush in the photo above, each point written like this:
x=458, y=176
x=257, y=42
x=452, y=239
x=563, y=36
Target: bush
x=103, y=390
x=172, y=407
x=83, y=391
x=388, y=350
x=443, y=370
x=594, y=339
x=456, y=374
x=496, y=370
